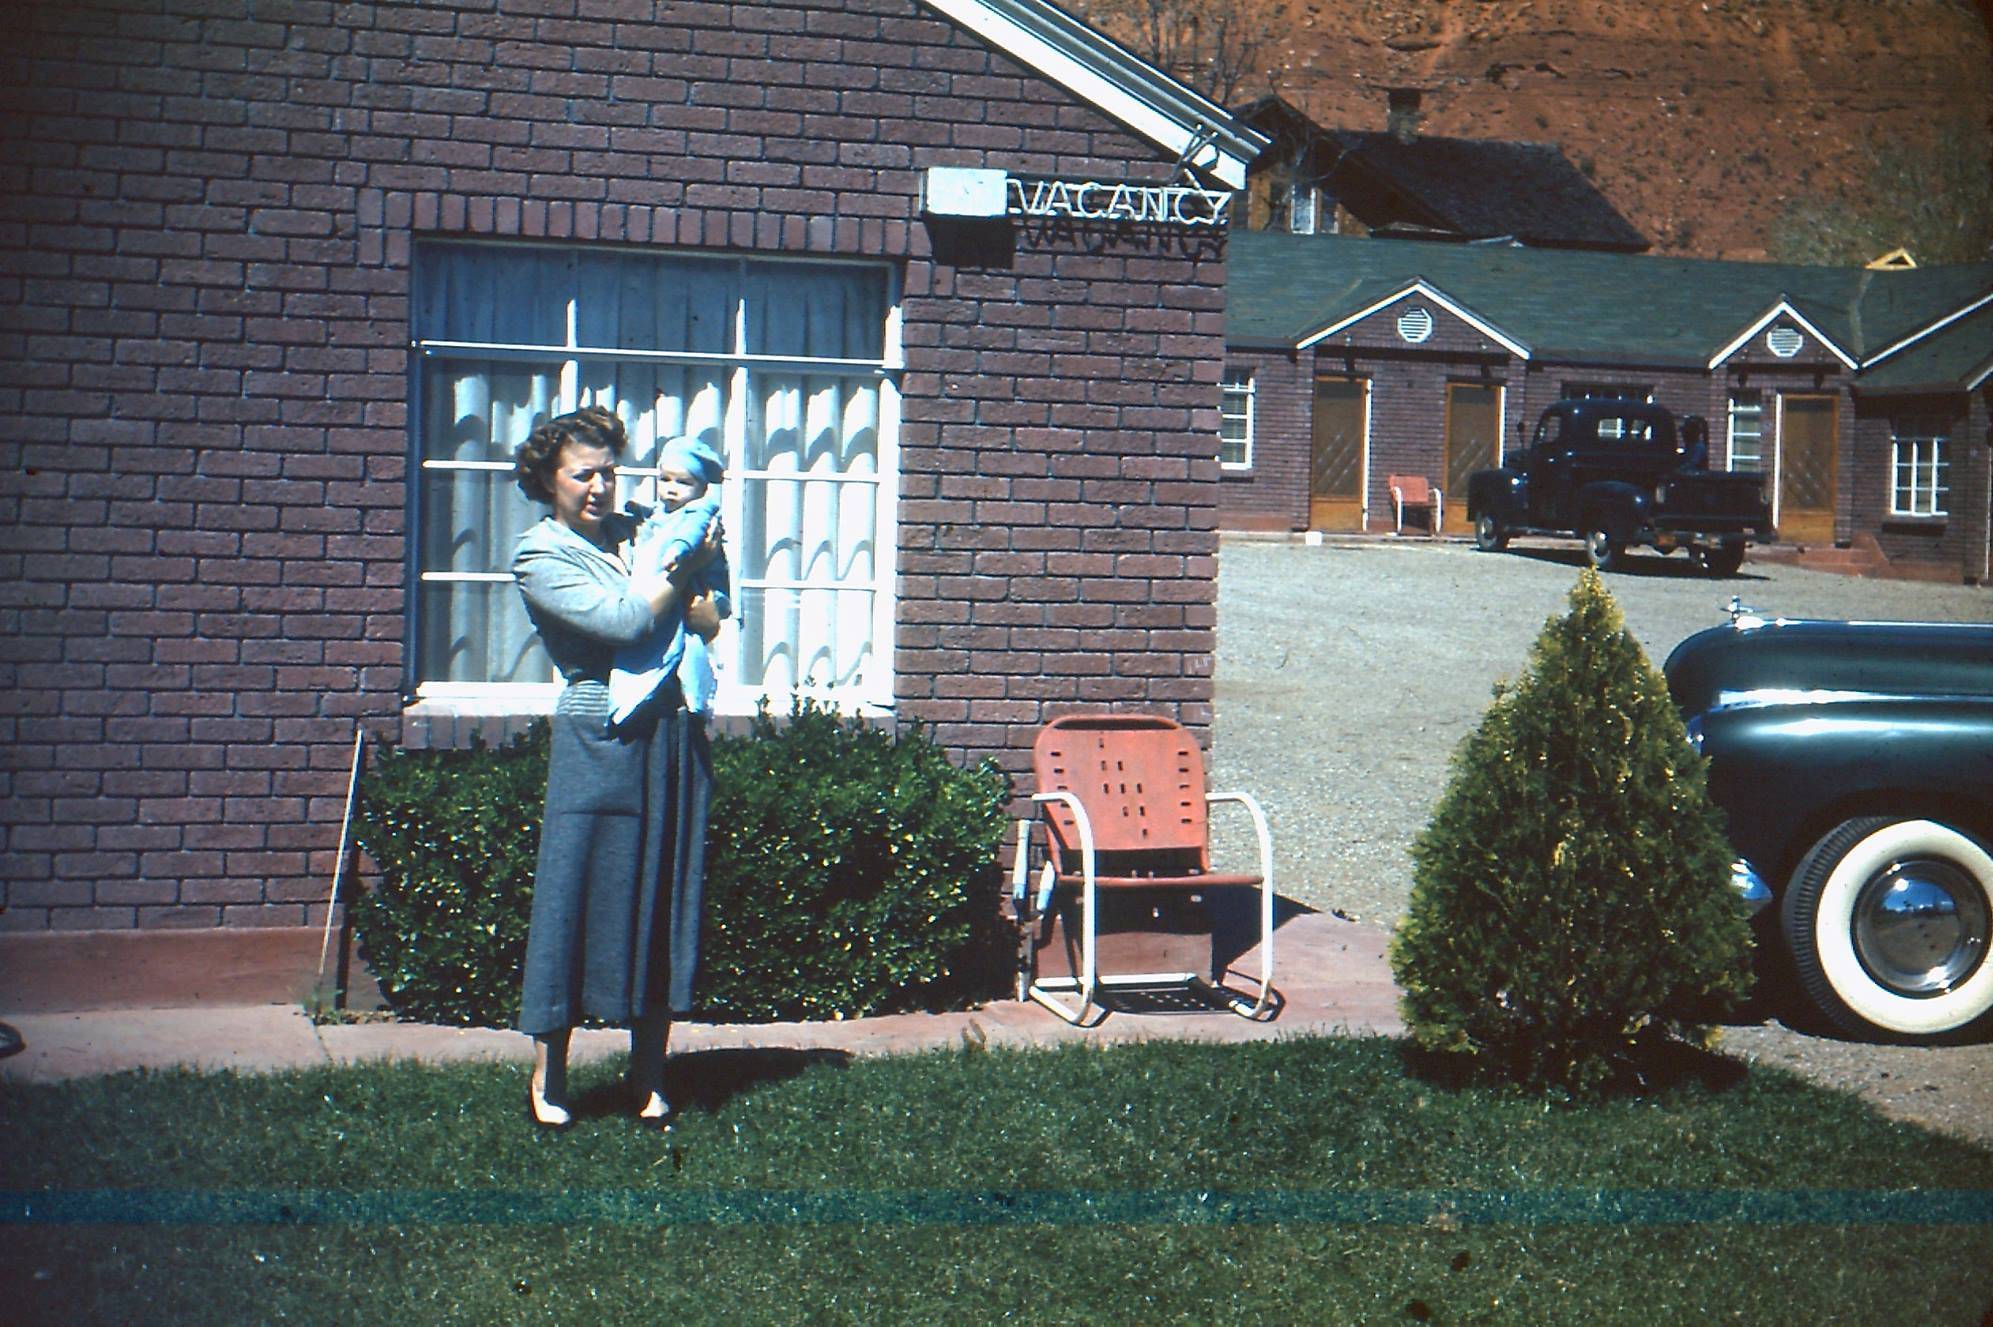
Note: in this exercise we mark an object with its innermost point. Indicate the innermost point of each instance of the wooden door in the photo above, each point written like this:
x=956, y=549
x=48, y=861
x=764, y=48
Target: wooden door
x=1808, y=428
x=1335, y=472
x=1473, y=442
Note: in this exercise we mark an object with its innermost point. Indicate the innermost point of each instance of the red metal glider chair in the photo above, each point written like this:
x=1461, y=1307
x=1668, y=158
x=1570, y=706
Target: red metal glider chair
x=1415, y=492
x=1123, y=805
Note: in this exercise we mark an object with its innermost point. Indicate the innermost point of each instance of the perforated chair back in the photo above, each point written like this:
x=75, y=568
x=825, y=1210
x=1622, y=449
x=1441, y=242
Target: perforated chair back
x=1141, y=780
x=1131, y=788
x=1411, y=490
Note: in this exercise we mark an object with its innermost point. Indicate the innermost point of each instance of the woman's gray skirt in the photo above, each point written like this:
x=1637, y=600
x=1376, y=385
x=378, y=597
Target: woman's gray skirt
x=622, y=869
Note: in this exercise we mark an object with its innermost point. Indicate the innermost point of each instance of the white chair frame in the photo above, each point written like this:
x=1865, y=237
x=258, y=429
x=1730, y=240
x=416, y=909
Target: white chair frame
x=1090, y=984
x=1436, y=499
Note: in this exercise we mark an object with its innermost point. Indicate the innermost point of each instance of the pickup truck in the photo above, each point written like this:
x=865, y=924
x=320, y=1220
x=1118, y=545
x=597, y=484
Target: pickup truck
x=1854, y=762
x=1616, y=474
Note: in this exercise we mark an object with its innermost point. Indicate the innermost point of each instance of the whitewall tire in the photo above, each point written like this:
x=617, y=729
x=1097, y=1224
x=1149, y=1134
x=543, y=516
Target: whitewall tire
x=1888, y=923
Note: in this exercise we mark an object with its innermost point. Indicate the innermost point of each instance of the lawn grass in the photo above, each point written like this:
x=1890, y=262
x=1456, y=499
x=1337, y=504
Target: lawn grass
x=1306, y=1181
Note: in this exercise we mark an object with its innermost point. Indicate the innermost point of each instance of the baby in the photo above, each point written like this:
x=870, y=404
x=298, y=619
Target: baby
x=687, y=509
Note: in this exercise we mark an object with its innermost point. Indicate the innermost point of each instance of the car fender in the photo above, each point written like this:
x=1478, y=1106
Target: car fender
x=1617, y=499
x=1504, y=492
x=1789, y=772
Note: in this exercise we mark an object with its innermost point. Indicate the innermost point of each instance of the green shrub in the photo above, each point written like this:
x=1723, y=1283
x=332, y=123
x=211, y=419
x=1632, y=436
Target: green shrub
x=848, y=872
x=454, y=835
x=1570, y=909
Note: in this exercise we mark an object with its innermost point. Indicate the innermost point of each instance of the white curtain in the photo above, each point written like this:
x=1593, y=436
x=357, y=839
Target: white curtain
x=476, y=631
x=811, y=516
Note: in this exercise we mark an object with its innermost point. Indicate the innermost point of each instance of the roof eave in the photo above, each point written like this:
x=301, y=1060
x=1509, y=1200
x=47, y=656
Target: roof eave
x=1171, y=115
x=1930, y=329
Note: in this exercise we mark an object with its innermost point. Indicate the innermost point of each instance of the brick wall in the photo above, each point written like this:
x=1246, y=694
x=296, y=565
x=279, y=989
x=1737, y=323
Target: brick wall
x=204, y=240
x=1408, y=392
x=1944, y=541
x=1273, y=494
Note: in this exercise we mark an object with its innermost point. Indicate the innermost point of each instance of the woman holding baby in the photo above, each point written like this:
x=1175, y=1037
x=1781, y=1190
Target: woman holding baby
x=617, y=892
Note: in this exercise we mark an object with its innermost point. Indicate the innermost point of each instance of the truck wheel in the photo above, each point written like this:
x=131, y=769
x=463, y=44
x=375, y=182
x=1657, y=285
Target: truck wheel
x=1489, y=536
x=1604, y=548
x=1888, y=923
x=1721, y=559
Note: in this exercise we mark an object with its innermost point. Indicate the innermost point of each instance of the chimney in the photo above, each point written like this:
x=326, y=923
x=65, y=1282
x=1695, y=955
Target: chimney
x=1402, y=117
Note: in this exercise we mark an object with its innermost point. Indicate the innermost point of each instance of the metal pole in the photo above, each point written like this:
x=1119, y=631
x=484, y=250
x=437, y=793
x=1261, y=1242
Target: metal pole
x=339, y=866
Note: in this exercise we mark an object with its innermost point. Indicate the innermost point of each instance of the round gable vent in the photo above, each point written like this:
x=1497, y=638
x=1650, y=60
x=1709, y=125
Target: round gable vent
x=1415, y=324
x=1784, y=342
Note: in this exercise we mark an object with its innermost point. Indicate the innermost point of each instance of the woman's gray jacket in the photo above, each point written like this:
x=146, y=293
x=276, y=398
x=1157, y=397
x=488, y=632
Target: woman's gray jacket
x=579, y=599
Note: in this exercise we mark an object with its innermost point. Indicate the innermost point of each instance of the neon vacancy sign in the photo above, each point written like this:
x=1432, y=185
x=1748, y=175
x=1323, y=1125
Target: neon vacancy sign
x=1092, y=200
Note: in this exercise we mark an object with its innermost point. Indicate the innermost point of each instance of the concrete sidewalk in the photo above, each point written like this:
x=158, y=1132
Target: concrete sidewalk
x=1331, y=975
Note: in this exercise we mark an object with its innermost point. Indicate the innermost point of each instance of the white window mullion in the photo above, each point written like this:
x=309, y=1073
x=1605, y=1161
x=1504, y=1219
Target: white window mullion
x=883, y=678
x=735, y=696
x=1919, y=469
x=1237, y=393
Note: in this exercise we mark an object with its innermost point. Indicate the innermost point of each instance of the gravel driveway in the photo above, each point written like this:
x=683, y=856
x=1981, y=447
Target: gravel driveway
x=1348, y=672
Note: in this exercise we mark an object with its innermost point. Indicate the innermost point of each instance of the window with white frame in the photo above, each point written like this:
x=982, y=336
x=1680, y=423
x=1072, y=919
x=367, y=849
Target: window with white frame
x=1920, y=468
x=1301, y=208
x=1747, y=430
x=788, y=368
x=1235, y=420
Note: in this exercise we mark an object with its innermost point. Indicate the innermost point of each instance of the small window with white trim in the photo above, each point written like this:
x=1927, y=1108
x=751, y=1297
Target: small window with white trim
x=1302, y=200
x=1920, y=468
x=1235, y=420
x=789, y=368
x=1747, y=430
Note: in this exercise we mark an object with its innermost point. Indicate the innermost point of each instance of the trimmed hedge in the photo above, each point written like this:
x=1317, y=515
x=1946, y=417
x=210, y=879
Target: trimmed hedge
x=454, y=835
x=848, y=872
x=1570, y=908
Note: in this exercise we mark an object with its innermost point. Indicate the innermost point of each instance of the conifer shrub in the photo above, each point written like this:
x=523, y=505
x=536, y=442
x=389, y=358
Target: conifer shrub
x=1570, y=911
x=849, y=871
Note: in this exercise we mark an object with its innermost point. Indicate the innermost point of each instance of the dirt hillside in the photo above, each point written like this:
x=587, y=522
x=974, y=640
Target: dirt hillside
x=1699, y=119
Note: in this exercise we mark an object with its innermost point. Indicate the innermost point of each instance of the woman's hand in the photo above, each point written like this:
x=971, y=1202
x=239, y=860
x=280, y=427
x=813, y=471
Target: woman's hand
x=703, y=617
x=707, y=549
x=661, y=591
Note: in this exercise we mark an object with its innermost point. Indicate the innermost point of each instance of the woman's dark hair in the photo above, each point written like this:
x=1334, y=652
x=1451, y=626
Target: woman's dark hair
x=533, y=460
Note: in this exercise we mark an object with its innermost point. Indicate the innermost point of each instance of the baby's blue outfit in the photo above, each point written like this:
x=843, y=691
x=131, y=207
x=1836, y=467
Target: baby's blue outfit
x=668, y=649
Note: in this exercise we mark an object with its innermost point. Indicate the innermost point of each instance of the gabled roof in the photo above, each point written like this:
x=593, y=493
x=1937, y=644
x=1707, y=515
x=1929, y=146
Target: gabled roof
x=1420, y=289
x=1044, y=38
x=1577, y=307
x=1490, y=188
x=1787, y=311
x=1463, y=188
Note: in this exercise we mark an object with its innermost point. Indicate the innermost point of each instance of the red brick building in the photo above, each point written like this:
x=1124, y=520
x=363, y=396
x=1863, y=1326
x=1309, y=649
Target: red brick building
x=285, y=280
x=1863, y=397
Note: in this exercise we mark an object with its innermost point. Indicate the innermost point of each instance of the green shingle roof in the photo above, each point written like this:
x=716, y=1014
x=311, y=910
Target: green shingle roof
x=1574, y=306
x=1958, y=356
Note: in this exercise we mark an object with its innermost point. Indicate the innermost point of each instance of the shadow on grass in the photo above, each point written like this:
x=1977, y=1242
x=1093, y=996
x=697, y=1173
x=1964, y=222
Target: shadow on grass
x=1648, y=565
x=1657, y=1067
x=707, y=1080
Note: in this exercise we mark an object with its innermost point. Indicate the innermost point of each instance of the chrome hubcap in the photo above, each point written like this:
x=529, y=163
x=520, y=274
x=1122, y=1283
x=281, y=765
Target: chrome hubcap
x=1920, y=926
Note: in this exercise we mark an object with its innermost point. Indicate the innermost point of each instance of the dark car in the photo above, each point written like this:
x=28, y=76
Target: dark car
x=1617, y=474
x=1854, y=761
